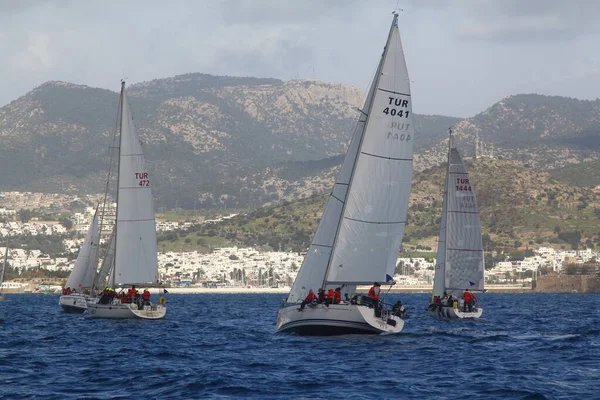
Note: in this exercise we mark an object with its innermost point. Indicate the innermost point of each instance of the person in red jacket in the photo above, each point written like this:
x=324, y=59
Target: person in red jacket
x=469, y=301
x=337, y=296
x=308, y=300
x=146, y=297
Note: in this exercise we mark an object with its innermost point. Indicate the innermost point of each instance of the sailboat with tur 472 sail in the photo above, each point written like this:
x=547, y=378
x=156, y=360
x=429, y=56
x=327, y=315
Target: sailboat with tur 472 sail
x=74, y=299
x=460, y=263
x=131, y=257
x=359, y=235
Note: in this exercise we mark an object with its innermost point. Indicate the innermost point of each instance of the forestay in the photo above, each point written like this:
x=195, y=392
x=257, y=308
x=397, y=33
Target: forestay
x=135, y=255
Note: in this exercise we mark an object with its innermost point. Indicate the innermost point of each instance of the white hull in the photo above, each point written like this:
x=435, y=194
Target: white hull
x=337, y=319
x=125, y=311
x=455, y=313
x=73, y=303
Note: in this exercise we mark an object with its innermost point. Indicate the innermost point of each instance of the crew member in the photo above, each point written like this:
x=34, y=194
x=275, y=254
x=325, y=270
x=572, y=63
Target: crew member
x=309, y=299
x=469, y=301
x=337, y=296
x=146, y=297
x=374, y=294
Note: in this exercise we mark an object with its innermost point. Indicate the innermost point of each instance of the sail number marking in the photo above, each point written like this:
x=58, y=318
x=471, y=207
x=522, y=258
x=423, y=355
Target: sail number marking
x=394, y=112
x=462, y=185
x=142, y=177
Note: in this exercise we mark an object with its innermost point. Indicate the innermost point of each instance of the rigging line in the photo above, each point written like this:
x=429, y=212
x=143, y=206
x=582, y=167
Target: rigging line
x=393, y=92
x=375, y=222
x=472, y=250
x=337, y=198
x=322, y=245
x=386, y=158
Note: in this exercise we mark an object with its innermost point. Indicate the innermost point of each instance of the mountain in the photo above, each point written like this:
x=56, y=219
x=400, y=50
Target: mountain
x=543, y=131
x=210, y=141
x=215, y=141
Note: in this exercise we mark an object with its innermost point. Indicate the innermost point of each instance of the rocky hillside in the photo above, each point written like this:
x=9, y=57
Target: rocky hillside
x=543, y=131
x=240, y=142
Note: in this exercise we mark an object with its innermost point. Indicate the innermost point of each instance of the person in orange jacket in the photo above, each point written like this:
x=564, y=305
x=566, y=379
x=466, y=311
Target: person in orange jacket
x=330, y=296
x=308, y=300
x=374, y=294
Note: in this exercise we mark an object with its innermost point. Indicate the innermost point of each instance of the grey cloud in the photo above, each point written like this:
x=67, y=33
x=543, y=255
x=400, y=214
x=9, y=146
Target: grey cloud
x=530, y=20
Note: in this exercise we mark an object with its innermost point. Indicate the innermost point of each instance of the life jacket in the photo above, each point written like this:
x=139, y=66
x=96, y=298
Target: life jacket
x=373, y=293
x=337, y=297
x=310, y=297
x=330, y=294
x=468, y=297
x=146, y=295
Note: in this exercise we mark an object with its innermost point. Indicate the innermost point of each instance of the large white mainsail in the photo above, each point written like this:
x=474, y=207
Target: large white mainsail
x=135, y=248
x=84, y=271
x=359, y=235
x=460, y=257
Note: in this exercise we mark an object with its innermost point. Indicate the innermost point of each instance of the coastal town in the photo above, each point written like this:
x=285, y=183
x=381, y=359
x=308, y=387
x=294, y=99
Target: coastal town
x=241, y=267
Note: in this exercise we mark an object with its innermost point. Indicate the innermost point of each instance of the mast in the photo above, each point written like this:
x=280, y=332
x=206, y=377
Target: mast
x=367, y=113
x=446, y=210
x=114, y=273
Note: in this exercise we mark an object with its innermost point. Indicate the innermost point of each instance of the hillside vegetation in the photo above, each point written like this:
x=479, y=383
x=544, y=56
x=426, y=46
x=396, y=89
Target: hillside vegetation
x=519, y=206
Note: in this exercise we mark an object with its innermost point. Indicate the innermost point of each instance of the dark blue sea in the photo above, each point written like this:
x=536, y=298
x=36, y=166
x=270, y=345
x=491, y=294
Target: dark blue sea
x=528, y=346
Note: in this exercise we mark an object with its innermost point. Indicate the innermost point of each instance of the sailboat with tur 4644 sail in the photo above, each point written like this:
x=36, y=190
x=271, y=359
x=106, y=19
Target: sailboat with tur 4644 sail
x=131, y=256
x=359, y=235
x=460, y=263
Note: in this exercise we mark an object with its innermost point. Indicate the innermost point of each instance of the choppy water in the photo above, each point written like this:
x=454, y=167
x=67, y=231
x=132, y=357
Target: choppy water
x=223, y=346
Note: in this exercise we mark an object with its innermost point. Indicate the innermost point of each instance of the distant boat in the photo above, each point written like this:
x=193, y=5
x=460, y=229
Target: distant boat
x=82, y=277
x=359, y=235
x=460, y=258
x=131, y=257
x=3, y=270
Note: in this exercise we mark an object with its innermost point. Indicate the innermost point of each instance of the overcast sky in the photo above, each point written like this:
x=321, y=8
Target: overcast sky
x=462, y=55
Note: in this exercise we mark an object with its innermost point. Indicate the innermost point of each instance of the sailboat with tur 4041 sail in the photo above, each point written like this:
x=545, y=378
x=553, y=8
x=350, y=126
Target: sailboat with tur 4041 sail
x=131, y=256
x=460, y=263
x=359, y=235
x=74, y=299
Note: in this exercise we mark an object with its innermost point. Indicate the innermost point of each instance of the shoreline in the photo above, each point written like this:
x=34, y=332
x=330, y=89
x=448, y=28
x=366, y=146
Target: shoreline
x=285, y=290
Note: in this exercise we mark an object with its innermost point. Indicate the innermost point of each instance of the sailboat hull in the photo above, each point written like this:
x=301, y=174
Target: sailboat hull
x=125, y=311
x=336, y=319
x=454, y=313
x=73, y=303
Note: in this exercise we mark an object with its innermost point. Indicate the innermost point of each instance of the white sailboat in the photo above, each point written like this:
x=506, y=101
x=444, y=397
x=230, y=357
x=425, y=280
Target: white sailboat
x=84, y=272
x=359, y=235
x=132, y=252
x=3, y=270
x=460, y=258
